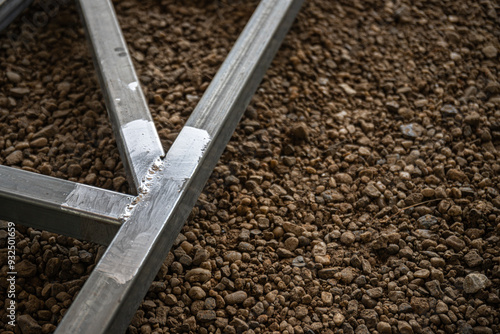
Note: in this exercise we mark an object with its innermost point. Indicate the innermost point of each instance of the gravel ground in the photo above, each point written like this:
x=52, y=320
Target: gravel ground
x=359, y=194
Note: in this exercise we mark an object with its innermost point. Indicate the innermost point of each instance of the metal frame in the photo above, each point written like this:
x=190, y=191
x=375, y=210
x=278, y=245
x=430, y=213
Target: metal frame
x=167, y=187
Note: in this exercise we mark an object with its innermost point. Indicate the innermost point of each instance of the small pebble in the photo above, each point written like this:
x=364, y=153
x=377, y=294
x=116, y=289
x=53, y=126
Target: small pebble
x=490, y=51
x=475, y=282
x=13, y=76
x=412, y=130
x=235, y=297
x=19, y=92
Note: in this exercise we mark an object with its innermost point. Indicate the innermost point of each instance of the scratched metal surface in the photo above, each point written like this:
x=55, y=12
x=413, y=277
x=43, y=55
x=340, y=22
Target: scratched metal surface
x=84, y=199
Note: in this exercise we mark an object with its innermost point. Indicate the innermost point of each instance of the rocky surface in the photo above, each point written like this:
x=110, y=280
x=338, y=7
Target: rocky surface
x=359, y=193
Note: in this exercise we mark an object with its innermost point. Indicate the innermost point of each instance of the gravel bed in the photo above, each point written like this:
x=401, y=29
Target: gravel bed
x=359, y=193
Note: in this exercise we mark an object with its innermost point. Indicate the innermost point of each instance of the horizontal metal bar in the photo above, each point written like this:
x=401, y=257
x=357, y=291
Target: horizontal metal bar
x=60, y=206
x=115, y=288
x=133, y=126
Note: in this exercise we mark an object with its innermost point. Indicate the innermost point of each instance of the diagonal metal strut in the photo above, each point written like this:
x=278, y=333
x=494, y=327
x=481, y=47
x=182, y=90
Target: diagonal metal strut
x=135, y=132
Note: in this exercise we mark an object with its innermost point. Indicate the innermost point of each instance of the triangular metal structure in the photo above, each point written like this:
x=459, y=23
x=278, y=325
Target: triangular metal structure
x=141, y=228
